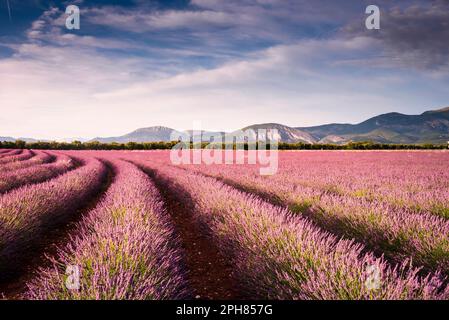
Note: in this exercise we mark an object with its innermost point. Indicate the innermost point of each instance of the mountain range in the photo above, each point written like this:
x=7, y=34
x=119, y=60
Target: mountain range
x=11, y=139
x=428, y=127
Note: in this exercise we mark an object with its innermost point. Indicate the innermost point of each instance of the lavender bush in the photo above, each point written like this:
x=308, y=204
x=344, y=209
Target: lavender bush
x=35, y=174
x=24, y=155
x=40, y=157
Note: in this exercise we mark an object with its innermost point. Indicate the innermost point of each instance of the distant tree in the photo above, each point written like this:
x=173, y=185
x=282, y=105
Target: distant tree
x=20, y=144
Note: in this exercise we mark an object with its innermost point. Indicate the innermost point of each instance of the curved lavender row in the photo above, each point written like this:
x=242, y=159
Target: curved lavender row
x=420, y=170
x=28, y=212
x=418, y=181
x=25, y=155
x=11, y=152
x=40, y=158
x=434, y=201
x=280, y=257
x=125, y=248
x=398, y=233
x=3, y=151
x=36, y=174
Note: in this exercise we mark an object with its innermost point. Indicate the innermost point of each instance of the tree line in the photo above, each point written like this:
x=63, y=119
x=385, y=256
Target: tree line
x=95, y=145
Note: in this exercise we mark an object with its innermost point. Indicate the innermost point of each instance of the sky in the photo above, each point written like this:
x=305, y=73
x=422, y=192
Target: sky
x=224, y=63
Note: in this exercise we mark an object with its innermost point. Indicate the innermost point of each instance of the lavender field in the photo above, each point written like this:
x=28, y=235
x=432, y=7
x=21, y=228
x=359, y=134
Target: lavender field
x=329, y=225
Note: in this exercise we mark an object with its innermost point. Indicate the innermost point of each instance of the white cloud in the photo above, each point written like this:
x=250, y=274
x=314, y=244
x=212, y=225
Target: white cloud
x=252, y=19
x=141, y=21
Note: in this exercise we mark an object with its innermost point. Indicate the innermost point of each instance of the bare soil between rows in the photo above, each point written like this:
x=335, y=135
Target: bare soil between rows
x=210, y=274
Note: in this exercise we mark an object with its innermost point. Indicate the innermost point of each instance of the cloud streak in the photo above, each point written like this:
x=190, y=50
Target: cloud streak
x=9, y=10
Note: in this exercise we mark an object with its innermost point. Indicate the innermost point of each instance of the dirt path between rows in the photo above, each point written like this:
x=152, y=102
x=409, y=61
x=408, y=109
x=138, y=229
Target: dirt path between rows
x=210, y=275
x=13, y=286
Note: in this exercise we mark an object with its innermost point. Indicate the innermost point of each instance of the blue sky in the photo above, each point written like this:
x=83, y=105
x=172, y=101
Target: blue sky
x=227, y=64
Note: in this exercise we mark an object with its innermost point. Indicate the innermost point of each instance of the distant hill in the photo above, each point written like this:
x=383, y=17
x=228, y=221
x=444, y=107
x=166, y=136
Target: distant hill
x=11, y=139
x=151, y=134
x=7, y=139
x=428, y=127
x=284, y=133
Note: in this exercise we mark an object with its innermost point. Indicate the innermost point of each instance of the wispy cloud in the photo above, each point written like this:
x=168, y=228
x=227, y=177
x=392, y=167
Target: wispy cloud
x=414, y=36
x=8, y=5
